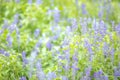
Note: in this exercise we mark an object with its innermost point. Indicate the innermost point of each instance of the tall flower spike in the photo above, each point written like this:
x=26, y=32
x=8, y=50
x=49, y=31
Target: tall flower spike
x=40, y=74
x=17, y=1
x=9, y=40
x=83, y=6
x=118, y=29
x=64, y=78
x=56, y=15
x=16, y=17
x=23, y=78
x=36, y=33
x=38, y=2
x=74, y=24
x=30, y=2
x=51, y=76
x=24, y=58
x=49, y=45
x=5, y=25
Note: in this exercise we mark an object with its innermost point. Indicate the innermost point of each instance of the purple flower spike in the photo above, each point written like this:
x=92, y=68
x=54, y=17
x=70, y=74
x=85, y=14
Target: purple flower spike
x=24, y=58
x=38, y=2
x=23, y=78
x=98, y=74
x=2, y=51
x=105, y=49
x=36, y=32
x=49, y=45
x=5, y=24
x=117, y=72
x=51, y=76
x=74, y=24
x=9, y=40
x=16, y=18
x=29, y=1
x=83, y=6
x=56, y=15
x=64, y=78
x=118, y=29
x=17, y=1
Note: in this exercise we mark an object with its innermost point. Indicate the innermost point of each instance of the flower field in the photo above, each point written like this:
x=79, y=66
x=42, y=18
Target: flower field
x=59, y=39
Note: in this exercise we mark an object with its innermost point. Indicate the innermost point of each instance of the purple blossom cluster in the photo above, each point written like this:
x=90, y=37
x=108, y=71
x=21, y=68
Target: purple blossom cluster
x=67, y=52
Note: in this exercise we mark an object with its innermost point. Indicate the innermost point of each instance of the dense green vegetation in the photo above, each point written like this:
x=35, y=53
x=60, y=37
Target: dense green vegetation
x=59, y=40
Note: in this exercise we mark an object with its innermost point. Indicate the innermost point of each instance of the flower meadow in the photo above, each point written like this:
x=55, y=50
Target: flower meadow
x=59, y=39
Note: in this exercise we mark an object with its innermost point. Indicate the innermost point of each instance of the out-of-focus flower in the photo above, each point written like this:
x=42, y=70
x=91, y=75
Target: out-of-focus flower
x=40, y=74
x=118, y=29
x=74, y=24
x=17, y=1
x=36, y=32
x=23, y=78
x=5, y=25
x=30, y=2
x=25, y=61
x=16, y=18
x=98, y=74
x=83, y=6
x=106, y=49
x=5, y=53
x=49, y=45
x=38, y=2
x=56, y=15
x=9, y=40
x=12, y=27
x=51, y=76
x=64, y=78
x=116, y=72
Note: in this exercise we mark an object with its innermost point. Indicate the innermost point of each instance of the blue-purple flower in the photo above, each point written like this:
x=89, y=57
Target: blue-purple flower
x=23, y=78
x=49, y=45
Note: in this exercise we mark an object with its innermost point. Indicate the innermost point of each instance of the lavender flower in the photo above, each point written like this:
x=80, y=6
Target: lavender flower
x=118, y=29
x=7, y=54
x=56, y=15
x=17, y=1
x=1, y=31
x=9, y=40
x=36, y=33
x=23, y=78
x=5, y=25
x=49, y=45
x=105, y=49
x=24, y=58
x=30, y=2
x=98, y=74
x=51, y=76
x=88, y=70
x=64, y=78
x=89, y=48
x=38, y=2
x=83, y=6
x=40, y=74
x=74, y=24
x=2, y=51
x=117, y=72
x=12, y=27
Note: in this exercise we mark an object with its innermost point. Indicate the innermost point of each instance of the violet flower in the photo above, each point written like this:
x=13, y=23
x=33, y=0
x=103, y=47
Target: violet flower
x=23, y=78
x=83, y=6
x=38, y=2
x=49, y=45
x=25, y=61
x=36, y=33
x=9, y=40
x=30, y=2
x=56, y=15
